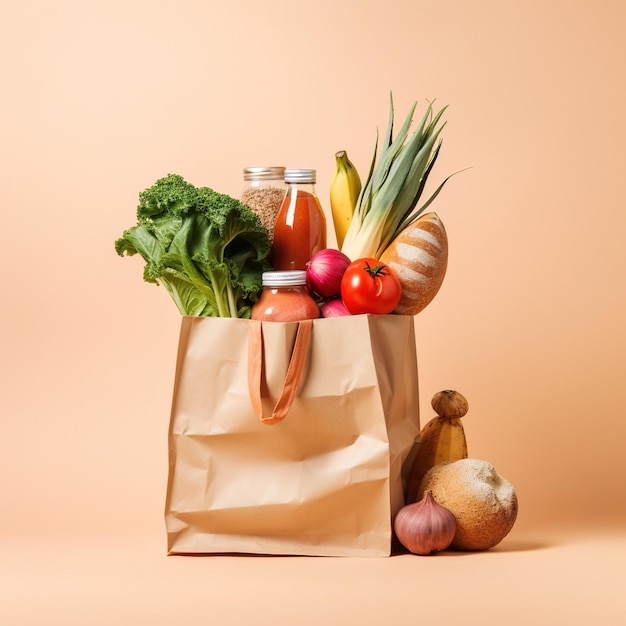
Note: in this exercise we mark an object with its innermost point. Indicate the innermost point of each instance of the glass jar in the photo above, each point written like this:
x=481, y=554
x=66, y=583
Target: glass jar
x=285, y=298
x=263, y=192
x=300, y=228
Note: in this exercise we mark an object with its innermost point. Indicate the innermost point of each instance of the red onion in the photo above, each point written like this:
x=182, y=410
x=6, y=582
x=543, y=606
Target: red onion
x=425, y=527
x=324, y=272
x=334, y=308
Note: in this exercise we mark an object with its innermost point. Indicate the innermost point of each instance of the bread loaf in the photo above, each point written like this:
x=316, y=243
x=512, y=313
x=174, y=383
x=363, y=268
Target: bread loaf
x=419, y=258
x=483, y=503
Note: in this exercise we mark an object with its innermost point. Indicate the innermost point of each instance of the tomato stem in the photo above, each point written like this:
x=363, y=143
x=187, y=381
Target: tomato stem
x=377, y=270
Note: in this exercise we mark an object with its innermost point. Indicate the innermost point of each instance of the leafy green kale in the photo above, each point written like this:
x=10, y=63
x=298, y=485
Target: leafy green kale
x=206, y=248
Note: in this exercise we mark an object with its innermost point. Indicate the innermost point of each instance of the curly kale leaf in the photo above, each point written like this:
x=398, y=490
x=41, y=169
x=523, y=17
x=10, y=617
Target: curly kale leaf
x=206, y=248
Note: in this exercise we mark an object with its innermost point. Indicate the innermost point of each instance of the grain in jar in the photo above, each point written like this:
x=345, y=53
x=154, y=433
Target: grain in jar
x=263, y=192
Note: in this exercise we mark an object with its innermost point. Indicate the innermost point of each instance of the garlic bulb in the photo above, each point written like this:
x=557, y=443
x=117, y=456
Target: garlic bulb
x=425, y=527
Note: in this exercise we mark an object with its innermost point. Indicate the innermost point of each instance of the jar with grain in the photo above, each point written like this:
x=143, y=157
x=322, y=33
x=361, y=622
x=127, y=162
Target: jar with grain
x=263, y=192
x=300, y=228
x=285, y=298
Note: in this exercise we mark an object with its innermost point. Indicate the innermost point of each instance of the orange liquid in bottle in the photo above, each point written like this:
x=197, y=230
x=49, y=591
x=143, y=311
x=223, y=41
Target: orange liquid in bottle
x=299, y=231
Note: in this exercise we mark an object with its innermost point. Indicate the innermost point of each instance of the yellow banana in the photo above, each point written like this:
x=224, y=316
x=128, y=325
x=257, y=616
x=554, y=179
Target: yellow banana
x=442, y=439
x=345, y=187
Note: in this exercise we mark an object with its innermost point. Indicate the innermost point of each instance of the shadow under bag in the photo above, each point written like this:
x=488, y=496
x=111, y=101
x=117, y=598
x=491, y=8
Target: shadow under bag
x=291, y=438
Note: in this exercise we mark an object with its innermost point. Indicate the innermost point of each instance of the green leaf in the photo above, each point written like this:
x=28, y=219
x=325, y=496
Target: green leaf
x=391, y=151
x=207, y=249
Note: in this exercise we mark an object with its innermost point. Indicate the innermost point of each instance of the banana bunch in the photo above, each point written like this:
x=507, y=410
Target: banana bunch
x=345, y=187
x=441, y=439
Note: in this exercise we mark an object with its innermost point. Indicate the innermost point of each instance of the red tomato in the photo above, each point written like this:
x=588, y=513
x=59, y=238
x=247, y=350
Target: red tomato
x=369, y=286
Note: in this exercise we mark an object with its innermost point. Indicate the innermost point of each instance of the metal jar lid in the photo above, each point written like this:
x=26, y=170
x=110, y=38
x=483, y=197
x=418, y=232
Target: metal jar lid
x=284, y=278
x=263, y=173
x=300, y=176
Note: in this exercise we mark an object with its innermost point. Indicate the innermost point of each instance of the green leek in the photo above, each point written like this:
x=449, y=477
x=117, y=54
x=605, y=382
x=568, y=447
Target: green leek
x=389, y=199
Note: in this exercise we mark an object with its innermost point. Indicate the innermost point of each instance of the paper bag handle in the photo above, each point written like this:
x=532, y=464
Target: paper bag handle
x=294, y=375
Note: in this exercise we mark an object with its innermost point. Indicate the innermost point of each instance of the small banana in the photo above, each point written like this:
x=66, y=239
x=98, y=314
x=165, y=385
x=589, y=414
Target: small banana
x=441, y=439
x=345, y=187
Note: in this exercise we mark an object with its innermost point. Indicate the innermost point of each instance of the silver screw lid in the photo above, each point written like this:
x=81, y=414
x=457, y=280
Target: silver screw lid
x=300, y=176
x=284, y=278
x=263, y=173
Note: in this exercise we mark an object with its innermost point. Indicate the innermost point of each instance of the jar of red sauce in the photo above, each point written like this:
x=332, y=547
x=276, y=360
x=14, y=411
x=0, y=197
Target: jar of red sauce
x=300, y=227
x=285, y=298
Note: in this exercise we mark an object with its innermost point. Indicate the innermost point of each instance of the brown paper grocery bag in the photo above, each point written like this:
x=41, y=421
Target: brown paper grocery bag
x=290, y=438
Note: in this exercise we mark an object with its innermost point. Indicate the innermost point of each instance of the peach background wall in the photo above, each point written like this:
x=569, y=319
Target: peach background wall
x=99, y=99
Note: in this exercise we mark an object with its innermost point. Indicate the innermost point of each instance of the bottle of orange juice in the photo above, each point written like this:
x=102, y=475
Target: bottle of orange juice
x=300, y=227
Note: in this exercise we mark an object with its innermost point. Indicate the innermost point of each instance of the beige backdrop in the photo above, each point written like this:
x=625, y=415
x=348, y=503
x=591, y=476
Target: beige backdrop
x=99, y=99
